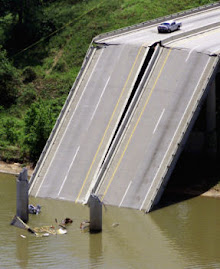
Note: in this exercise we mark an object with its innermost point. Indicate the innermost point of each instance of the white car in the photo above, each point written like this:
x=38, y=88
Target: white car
x=169, y=26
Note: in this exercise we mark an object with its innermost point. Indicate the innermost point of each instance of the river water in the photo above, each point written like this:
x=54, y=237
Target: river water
x=183, y=235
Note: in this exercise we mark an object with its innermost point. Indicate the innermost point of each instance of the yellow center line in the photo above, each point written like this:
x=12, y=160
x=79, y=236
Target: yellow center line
x=139, y=118
x=116, y=106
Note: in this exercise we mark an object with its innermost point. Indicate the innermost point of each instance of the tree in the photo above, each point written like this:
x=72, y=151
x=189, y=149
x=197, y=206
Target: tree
x=4, y=7
x=29, y=25
x=9, y=81
x=39, y=121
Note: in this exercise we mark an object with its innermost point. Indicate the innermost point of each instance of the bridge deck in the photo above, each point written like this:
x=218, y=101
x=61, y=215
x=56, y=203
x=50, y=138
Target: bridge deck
x=127, y=158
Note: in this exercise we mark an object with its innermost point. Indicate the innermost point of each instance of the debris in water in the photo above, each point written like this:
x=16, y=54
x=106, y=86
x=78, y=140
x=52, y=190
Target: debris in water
x=66, y=221
x=114, y=225
x=34, y=209
x=84, y=226
x=38, y=231
x=61, y=231
x=42, y=235
x=23, y=236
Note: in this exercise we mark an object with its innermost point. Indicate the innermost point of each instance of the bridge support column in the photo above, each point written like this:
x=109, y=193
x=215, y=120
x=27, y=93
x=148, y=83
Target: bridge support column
x=95, y=214
x=22, y=196
x=211, y=137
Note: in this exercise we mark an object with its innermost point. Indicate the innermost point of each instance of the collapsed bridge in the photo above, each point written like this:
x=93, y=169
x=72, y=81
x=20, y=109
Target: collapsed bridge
x=130, y=112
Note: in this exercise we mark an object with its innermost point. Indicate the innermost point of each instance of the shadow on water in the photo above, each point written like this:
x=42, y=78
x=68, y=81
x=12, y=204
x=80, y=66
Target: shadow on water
x=192, y=176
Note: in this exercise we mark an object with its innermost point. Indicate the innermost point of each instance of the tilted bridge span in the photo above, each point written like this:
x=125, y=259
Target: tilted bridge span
x=130, y=112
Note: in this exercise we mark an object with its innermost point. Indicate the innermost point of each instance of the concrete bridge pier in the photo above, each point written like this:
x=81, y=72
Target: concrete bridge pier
x=211, y=136
x=95, y=214
x=22, y=196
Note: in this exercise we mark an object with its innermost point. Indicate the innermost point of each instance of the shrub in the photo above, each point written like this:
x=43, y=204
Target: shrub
x=28, y=96
x=39, y=121
x=29, y=75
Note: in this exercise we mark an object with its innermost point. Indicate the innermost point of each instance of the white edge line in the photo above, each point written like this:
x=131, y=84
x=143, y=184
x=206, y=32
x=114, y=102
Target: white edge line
x=68, y=125
x=191, y=52
x=100, y=99
x=161, y=115
x=125, y=194
x=173, y=136
x=68, y=171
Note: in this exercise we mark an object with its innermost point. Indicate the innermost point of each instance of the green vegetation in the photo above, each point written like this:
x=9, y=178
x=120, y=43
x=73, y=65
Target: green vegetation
x=43, y=45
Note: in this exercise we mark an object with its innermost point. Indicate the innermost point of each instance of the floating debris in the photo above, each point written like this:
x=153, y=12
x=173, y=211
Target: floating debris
x=61, y=231
x=38, y=231
x=114, y=225
x=84, y=226
x=23, y=236
x=66, y=221
x=34, y=209
x=45, y=230
x=42, y=235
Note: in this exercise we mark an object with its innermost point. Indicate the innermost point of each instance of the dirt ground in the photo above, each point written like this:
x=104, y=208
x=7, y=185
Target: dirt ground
x=14, y=168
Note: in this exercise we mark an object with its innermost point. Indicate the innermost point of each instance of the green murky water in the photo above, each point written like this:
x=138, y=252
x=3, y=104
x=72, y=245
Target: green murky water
x=184, y=235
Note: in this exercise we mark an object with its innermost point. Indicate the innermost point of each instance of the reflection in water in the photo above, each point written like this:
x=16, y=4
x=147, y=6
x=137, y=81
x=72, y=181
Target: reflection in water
x=193, y=227
x=184, y=235
x=95, y=250
x=21, y=249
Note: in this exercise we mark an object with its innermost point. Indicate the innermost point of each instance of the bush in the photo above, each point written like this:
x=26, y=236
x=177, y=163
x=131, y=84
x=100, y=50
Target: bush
x=39, y=121
x=28, y=96
x=9, y=132
x=29, y=75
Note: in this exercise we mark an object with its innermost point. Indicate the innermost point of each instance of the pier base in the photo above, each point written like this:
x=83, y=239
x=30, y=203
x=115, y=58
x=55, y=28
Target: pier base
x=95, y=214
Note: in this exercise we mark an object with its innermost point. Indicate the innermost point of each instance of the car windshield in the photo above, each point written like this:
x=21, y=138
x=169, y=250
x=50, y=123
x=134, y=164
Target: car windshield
x=165, y=23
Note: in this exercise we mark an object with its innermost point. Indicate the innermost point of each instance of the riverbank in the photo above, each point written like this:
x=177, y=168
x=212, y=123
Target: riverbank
x=194, y=190
x=14, y=168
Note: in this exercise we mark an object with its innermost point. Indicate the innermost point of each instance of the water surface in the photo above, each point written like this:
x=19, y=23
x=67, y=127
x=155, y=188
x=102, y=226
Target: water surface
x=183, y=235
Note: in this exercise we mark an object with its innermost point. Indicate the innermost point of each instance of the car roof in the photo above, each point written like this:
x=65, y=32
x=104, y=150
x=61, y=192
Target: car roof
x=170, y=21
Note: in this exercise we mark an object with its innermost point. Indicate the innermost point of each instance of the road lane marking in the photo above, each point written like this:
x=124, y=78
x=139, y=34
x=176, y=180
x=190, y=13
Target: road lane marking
x=125, y=193
x=139, y=118
x=113, y=113
x=68, y=171
x=99, y=99
x=161, y=115
x=173, y=136
x=191, y=52
x=61, y=140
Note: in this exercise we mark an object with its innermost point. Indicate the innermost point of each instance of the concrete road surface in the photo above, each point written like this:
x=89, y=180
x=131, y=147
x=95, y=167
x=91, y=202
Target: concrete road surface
x=163, y=111
x=87, y=129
